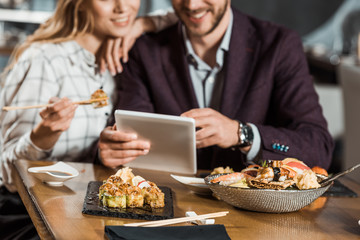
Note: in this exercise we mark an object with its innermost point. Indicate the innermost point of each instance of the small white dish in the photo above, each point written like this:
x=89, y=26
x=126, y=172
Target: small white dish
x=195, y=184
x=56, y=174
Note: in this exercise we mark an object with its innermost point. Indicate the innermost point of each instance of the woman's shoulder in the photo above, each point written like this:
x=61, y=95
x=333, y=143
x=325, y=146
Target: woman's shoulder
x=37, y=57
x=44, y=51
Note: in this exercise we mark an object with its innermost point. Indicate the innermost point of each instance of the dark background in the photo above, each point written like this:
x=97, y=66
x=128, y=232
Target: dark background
x=303, y=16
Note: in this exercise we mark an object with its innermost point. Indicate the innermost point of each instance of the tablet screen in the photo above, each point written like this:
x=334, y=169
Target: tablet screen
x=173, y=146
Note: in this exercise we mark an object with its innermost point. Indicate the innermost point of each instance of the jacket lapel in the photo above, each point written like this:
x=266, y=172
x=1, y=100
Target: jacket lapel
x=239, y=64
x=177, y=72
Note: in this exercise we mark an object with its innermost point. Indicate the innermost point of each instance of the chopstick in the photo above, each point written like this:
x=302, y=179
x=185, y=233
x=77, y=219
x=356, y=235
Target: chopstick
x=83, y=102
x=176, y=220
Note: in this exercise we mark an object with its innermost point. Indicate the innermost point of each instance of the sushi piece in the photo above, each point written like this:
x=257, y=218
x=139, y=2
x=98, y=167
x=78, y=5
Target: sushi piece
x=116, y=180
x=134, y=197
x=108, y=188
x=153, y=196
x=112, y=196
x=114, y=201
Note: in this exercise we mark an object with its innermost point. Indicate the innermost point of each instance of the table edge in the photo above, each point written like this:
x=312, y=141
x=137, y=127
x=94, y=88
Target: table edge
x=30, y=206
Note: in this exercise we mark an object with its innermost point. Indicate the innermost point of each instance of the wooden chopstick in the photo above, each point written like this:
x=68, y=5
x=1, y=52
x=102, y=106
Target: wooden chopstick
x=89, y=101
x=176, y=220
x=83, y=102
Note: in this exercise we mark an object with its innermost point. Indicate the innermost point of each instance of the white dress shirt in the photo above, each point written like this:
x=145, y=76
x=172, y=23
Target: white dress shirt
x=208, y=81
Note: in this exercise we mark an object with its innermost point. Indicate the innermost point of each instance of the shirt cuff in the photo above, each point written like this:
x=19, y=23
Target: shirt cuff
x=255, y=147
x=30, y=150
x=24, y=149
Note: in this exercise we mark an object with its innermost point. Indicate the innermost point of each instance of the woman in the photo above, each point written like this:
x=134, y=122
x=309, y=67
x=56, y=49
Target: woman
x=58, y=62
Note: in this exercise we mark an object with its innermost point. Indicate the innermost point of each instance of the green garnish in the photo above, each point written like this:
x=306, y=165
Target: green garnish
x=264, y=163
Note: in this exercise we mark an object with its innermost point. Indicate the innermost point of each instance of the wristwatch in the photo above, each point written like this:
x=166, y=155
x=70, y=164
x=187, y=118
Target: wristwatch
x=246, y=135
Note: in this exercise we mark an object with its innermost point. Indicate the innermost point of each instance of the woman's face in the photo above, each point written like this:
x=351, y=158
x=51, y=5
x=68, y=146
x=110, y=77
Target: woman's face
x=113, y=18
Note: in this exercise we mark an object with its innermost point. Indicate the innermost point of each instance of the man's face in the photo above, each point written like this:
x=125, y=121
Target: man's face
x=201, y=17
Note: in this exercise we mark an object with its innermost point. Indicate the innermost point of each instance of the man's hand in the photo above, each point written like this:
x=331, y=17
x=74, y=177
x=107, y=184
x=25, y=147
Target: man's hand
x=55, y=120
x=117, y=147
x=215, y=128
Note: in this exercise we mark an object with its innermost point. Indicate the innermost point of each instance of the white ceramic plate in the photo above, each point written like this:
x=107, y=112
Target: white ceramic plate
x=56, y=174
x=196, y=185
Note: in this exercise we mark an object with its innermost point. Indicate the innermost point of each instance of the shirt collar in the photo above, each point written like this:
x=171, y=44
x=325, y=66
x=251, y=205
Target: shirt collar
x=224, y=47
x=78, y=54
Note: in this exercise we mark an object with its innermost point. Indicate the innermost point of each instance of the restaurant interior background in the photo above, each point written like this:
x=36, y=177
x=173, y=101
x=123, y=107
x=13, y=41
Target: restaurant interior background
x=329, y=29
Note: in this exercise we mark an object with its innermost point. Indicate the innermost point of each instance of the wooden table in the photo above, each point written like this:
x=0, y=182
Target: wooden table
x=56, y=211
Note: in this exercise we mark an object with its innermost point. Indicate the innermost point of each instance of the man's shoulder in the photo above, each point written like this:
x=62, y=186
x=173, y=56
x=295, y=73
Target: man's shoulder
x=160, y=38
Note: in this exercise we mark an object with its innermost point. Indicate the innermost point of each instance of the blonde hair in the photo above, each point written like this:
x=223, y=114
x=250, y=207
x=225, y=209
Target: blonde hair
x=70, y=19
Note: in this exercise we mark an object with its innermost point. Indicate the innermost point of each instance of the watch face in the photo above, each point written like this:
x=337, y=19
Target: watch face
x=246, y=136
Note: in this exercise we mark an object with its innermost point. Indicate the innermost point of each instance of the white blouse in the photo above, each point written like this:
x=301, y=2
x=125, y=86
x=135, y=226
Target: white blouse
x=44, y=71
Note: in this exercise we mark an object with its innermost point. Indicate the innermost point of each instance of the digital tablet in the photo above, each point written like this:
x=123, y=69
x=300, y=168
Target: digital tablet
x=173, y=146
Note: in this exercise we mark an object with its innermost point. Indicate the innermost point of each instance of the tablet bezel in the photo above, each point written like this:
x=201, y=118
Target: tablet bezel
x=167, y=153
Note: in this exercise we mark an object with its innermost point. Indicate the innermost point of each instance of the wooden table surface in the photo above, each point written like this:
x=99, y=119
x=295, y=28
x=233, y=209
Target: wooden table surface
x=57, y=211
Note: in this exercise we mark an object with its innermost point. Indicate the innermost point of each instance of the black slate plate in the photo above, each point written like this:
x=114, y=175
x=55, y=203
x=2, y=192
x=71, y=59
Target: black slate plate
x=339, y=190
x=92, y=206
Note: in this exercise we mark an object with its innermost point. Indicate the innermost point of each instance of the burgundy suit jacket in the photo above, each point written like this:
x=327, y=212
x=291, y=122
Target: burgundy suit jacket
x=266, y=83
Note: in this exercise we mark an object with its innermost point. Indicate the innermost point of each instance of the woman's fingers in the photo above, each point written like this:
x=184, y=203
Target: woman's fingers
x=59, y=115
x=117, y=54
x=118, y=147
x=128, y=43
x=57, y=104
x=109, y=45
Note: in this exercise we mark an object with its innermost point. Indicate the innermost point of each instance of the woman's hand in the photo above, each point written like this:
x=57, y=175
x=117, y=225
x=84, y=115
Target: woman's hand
x=118, y=147
x=55, y=120
x=115, y=49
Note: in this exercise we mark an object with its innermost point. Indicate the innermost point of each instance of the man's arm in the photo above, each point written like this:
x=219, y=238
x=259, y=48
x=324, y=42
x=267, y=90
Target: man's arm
x=296, y=127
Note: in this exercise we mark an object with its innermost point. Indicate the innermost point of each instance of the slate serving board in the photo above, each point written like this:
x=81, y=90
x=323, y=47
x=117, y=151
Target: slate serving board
x=339, y=190
x=92, y=206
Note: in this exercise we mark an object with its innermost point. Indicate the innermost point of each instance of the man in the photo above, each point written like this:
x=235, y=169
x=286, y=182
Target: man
x=244, y=81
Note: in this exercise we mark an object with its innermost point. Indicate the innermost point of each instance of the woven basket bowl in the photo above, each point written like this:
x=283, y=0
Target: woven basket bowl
x=265, y=200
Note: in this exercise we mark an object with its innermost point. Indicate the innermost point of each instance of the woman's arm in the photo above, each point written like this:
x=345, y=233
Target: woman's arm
x=32, y=81
x=115, y=50
x=55, y=119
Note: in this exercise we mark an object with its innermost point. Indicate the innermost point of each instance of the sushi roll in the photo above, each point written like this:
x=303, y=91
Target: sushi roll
x=124, y=190
x=116, y=199
x=153, y=196
x=111, y=196
x=134, y=197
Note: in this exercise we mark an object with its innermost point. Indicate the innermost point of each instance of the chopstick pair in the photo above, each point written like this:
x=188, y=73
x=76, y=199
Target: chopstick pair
x=176, y=220
x=83, y=102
